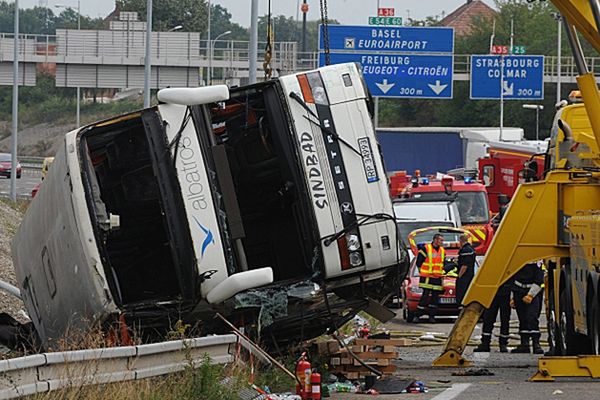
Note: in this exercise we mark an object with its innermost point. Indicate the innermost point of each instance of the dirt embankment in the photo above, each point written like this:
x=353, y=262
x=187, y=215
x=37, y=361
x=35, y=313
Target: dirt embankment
x=10, y=218
x=39, y=140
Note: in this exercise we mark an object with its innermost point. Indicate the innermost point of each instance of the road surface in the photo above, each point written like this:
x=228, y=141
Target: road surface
x=29, y=178
x=509, y=381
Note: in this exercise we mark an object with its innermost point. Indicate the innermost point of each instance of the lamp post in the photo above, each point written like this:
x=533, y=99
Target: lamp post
x=176, y=28
x=78, y=112
x=537, y=108
x=78, y=11
x=148, y=61
x=253, y=51
x=212, y=48
x=558, y=19
x=15, y=107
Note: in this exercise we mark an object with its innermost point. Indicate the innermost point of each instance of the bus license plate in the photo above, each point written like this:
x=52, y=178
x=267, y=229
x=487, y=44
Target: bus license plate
x=364, y=145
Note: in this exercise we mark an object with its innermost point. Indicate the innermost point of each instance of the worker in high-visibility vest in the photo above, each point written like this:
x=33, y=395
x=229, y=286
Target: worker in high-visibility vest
x=430, y=261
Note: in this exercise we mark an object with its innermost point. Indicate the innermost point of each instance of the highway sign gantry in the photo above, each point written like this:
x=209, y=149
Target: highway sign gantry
x=523, y=77
x=389, y=39
x=402, y=75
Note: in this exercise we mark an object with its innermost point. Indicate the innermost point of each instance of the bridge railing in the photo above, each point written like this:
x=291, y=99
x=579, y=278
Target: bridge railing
x=126, y=47
x=462, y=64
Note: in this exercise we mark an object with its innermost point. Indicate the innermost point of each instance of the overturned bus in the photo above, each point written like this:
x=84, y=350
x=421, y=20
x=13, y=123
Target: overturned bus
x=268, y=201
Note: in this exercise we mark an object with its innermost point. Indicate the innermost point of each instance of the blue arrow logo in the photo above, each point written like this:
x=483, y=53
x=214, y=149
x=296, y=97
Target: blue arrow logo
x=209, y=239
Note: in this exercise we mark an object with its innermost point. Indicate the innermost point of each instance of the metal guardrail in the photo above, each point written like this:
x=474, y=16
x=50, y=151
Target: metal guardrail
x=42, y=373
x=31, y=162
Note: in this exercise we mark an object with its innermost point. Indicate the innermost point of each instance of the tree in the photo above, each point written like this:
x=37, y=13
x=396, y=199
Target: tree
x=191, y=14
x=220, y=19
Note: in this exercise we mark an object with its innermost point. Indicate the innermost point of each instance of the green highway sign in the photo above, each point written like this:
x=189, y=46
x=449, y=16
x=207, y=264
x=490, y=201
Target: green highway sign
x=385, y=21
x=518, y=50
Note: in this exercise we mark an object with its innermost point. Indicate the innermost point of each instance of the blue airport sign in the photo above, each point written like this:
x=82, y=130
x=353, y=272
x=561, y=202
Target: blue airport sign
x=402, y=75
x=389, y=39
x=523, y=77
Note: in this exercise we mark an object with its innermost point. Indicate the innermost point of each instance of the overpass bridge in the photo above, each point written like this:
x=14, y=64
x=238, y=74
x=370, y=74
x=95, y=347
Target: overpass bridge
x=115, y=59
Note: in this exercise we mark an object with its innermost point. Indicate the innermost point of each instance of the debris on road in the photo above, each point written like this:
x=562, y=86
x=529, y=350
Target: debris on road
x=474, y=372
x=393, y=385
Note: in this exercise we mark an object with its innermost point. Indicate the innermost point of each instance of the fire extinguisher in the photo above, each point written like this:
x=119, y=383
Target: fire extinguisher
x=315, y=383
x=303, y=372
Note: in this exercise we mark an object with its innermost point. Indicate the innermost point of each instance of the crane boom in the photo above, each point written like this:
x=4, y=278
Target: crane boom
x=536, y=224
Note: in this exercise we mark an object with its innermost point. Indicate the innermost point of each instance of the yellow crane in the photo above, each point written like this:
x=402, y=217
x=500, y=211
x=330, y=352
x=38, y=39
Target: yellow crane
x=556, y=219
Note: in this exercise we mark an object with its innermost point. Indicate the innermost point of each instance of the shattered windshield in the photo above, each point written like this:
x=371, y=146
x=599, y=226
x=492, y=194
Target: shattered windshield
x=473, y=207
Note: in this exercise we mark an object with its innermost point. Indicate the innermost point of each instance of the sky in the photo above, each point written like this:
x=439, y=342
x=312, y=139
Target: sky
x=350, y=12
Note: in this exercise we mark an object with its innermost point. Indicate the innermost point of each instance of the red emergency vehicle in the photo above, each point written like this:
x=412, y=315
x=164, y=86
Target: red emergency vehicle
x=507, y=165
x=470, y=195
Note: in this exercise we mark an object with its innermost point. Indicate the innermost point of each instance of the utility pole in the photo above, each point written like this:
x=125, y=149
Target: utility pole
x=78, y=112
x=208, y=43
x=15, y=107
x=304, y=12
x=148, y=61
x=253, y=41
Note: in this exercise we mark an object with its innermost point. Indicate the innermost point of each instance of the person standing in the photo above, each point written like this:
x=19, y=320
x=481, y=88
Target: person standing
x=527, y=296
x=430, y=261
x=466, y=268
x=500, y=303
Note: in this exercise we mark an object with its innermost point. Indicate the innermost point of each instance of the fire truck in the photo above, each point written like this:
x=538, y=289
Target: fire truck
x=509, y=164
x=470, y=195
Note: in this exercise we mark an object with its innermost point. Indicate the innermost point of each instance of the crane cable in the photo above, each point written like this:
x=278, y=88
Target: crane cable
x=325, y=30
x=268, y=48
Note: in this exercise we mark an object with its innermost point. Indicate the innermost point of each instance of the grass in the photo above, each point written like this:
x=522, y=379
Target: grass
x=19, y=205
x=206, y=382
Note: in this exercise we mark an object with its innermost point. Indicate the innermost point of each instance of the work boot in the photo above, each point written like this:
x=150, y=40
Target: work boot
x=524, y=346
x=431, y=316
x=418, y=313
x=484, y=346
x=537, y=349
x=503, y=345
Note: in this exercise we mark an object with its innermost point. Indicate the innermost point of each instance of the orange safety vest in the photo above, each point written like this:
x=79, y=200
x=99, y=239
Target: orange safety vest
x=433, y=266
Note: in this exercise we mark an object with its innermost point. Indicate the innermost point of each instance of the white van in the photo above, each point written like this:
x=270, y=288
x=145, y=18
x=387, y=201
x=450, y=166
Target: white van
x=183, y=206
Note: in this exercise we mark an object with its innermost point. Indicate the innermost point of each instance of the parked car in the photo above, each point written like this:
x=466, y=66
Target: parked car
x=411, y=292
x=6, y=165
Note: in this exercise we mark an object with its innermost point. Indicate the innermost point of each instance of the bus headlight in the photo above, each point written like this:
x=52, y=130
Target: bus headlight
x=352, y=242
x=319, y=95
x=356, y=259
